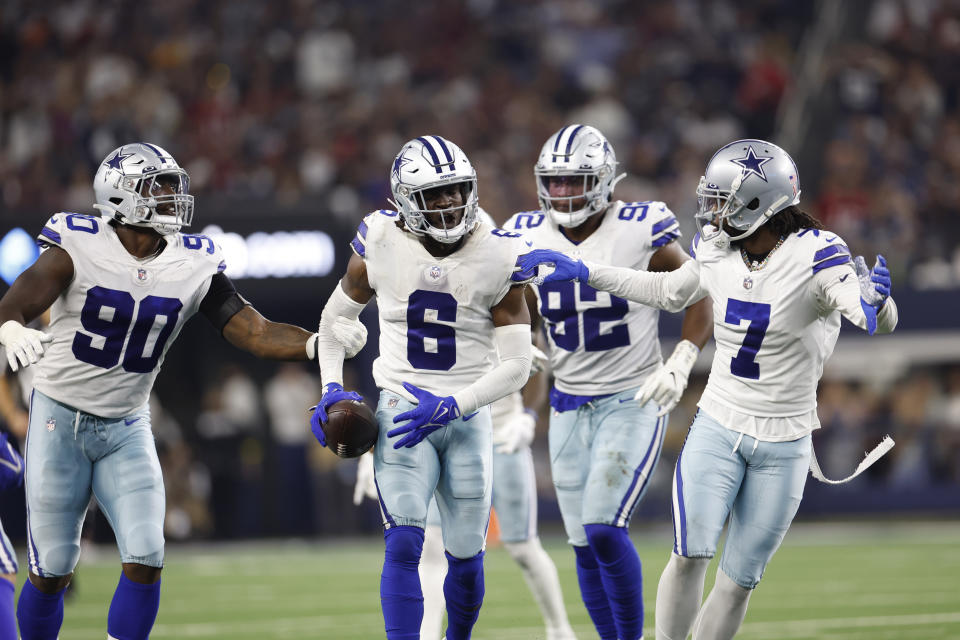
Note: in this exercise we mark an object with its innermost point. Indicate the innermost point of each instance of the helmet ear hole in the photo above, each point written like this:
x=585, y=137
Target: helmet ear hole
x=753, y=204
x=115, y=200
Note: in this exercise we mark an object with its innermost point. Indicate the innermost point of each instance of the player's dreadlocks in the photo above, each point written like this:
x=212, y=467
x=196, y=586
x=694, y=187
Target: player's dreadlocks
x=792, y=219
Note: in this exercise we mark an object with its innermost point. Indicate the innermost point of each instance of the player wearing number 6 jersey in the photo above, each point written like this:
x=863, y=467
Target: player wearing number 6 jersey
x=604, y=352
x=779, y=284
x=121, y=287
x=447, y=307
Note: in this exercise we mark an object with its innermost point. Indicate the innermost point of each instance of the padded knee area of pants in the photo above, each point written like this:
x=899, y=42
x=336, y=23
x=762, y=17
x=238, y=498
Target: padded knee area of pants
x=60, y=561
x=144, y=545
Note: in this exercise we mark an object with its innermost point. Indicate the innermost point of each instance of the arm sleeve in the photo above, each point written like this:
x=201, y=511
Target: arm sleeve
x=330, y=351
x=513, y=345
x=221, y=301
x=670, y=290
x=844, y=296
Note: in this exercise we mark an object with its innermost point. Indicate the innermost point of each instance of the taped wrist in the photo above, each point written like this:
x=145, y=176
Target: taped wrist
x=683, y=357
x=513, y=345
x=329, y=351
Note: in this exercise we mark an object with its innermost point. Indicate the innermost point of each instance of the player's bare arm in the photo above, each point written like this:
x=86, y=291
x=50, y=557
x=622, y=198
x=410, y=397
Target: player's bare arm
x=31, y=294
x=355, y=283
x=35, y=289
x=250, y=331
x=512, y=309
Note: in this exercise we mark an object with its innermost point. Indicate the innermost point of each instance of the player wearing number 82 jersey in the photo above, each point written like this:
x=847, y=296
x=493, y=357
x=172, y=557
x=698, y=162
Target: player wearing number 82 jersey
x=604, y=352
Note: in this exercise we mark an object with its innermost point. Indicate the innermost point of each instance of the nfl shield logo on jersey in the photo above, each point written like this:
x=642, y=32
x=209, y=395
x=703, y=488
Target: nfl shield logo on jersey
x=51, y=424
x=748, y=283
x=392, y=403
x=141, y=274
x=435, y=272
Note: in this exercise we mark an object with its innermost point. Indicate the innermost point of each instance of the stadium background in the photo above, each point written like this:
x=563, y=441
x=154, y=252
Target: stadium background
x=287, y=114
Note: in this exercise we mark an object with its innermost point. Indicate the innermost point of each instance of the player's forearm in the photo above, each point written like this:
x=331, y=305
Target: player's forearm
x=281, y=342
x=671, y=290
x=513, y=345
x=844, y=296
x=697, y=324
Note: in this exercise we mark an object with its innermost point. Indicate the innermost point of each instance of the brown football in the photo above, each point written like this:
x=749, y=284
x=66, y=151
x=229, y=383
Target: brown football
x=351, y=428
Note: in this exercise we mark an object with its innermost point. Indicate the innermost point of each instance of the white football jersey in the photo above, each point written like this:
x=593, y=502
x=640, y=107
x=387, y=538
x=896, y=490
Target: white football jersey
x=773, y=328
x=599, y=343
x=113, y=324
x=436, y=328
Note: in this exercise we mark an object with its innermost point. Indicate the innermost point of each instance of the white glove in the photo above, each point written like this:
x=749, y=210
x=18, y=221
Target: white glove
x=22, y=343
x=516, y=433
x=667, y=383
x=539, y=360
x=365, y=485
x=352, y=334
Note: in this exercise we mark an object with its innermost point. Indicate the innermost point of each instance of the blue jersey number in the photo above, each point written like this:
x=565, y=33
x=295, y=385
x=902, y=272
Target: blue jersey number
x=564, y=314
x=108, y=313
x=418, y=329
x=744, y=364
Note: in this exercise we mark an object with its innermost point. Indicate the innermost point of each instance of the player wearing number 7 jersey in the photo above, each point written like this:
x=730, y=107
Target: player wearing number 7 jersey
x=447, y=307
x=604, y=352
x=779, y=284
x=121, y=287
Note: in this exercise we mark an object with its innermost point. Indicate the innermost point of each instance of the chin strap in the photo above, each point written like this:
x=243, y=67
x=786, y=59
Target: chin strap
x=875, y=454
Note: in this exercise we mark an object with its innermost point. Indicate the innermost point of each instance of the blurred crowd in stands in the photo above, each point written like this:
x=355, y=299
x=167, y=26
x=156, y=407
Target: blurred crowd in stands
x=302, y=105
x=297, y=101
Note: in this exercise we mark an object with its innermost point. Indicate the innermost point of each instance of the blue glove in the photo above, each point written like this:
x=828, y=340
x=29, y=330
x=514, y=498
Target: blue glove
x=566, y=267
x=332, y=394
x=875, y=285
x=11, y=465
x=431, y=413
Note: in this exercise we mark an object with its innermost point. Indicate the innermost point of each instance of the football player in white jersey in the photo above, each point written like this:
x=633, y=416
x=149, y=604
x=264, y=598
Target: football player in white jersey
x=515, y=503
x=604, y=352
x=11, y=475
x=446, y=306
x=121, y=287
x=779, y=284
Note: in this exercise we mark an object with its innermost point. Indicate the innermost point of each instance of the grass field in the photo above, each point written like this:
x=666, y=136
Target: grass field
x=828, y=582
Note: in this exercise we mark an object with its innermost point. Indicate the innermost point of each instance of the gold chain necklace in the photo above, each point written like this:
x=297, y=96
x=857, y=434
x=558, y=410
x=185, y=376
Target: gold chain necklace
x=756, y=266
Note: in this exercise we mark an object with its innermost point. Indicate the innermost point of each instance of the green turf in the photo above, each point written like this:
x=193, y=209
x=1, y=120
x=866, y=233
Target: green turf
x=828, y=582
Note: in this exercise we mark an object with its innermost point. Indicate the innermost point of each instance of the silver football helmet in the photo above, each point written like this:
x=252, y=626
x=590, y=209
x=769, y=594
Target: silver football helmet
x=140, y=184
x=581, y=152
x=425, y=163
x=746, y=182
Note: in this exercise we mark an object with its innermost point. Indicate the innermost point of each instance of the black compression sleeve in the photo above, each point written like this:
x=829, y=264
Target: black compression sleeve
x=222, y=301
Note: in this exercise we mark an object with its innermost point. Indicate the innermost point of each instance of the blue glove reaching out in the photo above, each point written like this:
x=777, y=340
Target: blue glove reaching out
x=431, y=413
x=11, y=464
x=875, y=285
x=332, y=394
x=566, y=268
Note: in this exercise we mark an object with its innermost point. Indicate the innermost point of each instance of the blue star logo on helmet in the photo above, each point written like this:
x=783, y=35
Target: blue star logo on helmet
x=116, y=161
x=398, y=164
x=752, y=164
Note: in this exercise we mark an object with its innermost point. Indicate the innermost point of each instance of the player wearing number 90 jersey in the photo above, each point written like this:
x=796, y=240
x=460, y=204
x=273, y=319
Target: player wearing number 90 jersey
x=115, y=322
x=603, y=445
x=121, y=287
x=447, y=307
